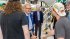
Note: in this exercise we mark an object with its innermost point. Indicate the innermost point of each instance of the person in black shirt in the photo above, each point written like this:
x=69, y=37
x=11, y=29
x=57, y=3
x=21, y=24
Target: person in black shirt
x=13, y=22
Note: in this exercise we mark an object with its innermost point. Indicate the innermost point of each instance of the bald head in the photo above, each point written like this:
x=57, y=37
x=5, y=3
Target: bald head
x=27, y=5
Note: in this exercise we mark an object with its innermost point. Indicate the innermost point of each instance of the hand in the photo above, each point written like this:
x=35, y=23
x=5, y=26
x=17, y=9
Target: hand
x=51, y=32
x=33, y=37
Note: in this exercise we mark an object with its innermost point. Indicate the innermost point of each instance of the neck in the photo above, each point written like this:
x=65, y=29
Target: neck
x=26, y=14
x=57, y=17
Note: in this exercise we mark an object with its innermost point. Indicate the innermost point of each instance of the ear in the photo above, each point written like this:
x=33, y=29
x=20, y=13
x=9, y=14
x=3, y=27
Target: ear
x=53, y=11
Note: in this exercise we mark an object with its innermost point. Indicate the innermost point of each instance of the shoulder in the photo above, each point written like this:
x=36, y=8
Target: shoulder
x=66, y=20
x=35, y=11
x=20, y=13
x=63, y=20
x=41, y=12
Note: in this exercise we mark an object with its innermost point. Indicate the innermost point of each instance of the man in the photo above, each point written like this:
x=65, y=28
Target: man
x=62, y=26
x=38, y=20
x=13, y=22
x=68, y=9
x=27, y=10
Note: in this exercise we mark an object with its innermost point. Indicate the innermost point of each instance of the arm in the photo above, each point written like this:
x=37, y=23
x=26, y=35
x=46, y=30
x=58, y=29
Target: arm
x=1, y=36
x=41, y=17
x=26, y=31
x=50, y=32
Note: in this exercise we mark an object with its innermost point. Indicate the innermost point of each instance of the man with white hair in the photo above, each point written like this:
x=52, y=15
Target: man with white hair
x=29, y=15
x=62, y=26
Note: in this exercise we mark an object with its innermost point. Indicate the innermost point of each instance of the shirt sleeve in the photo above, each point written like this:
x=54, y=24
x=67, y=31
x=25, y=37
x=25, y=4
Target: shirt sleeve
x=59, y=30
x=24, y=19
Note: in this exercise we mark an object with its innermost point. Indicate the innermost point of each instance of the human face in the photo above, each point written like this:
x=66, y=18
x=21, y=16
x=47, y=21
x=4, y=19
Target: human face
x=60, y=13
x=28, y=9
x=68, y=7
x=38, y=8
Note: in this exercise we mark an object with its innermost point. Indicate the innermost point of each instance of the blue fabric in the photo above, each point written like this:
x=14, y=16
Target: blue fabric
x=31, y=15
x=38, y=15
x=31, y=23
x=31, y=26
x=35, y=17
x=68, y=15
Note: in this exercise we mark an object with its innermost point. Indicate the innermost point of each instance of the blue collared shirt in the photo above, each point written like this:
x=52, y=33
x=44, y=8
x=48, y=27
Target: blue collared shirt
x=30, y=24
x=38, y=15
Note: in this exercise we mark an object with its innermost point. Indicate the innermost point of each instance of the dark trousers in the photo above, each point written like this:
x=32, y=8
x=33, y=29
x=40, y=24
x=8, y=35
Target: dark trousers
x=38, y=28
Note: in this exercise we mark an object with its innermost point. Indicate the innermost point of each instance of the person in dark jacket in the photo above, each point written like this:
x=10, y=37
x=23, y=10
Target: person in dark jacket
x=38, y=20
